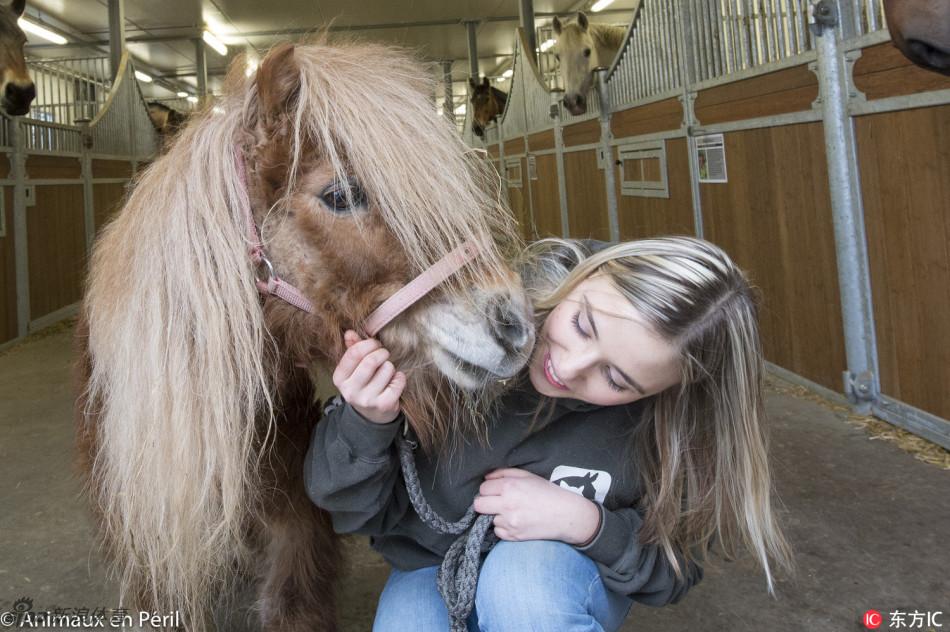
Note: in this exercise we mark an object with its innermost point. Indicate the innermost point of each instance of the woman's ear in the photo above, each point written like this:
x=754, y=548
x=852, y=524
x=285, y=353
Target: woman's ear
x=278, y=81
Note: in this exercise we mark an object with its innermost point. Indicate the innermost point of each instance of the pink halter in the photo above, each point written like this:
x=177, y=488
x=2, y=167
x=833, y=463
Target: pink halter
x=382, y=315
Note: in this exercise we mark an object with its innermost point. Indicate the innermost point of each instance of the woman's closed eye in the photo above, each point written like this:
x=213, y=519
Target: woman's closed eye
x=576, y=320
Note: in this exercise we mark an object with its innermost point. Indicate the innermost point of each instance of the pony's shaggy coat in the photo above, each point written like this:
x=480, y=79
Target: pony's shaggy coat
x=195, y=411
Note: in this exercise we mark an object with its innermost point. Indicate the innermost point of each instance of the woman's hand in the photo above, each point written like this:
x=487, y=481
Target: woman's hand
x=367, y=380
x=528, y=507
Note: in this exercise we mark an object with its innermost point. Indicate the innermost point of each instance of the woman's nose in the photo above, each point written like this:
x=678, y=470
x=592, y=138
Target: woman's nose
x=573, y=367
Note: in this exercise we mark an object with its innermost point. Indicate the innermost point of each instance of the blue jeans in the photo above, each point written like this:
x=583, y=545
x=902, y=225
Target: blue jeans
x=536, y=586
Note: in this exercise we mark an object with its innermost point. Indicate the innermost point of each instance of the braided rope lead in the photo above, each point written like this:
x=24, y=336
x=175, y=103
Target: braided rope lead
x=458, y=574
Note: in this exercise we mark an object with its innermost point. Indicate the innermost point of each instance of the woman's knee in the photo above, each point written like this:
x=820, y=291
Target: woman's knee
x=522, y=581
x=411, y=596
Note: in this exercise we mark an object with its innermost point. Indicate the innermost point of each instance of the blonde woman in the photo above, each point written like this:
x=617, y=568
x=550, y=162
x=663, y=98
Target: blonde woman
x=635, y=439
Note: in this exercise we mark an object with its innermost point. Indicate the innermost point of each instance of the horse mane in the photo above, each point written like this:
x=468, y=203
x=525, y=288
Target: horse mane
x=183, y=368
x=499, y=94
x=607, y=35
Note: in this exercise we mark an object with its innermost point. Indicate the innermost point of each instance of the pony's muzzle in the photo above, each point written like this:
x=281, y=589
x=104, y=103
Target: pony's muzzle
x=575, y=103
x=511, y=327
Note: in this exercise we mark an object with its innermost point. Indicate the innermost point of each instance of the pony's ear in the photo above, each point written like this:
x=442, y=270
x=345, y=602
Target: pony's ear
x=18, y=6
x=485, y=82
x=557, y=25
x=278, y=80
x=582, y=20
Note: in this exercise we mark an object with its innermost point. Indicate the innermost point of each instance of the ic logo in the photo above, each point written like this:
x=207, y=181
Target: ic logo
x=873, y=619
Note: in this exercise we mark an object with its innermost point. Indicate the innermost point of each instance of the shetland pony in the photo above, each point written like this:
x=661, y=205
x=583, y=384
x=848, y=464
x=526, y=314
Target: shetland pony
x=921, y=30
x=196, y=402
x=488, y=103
x=581, y=47
x=16, y=90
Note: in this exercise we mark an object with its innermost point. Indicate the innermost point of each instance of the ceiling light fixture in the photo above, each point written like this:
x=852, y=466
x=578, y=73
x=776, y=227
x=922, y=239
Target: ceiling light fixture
x=141, y=76
x=212, y=41
x=600, y=5
x=41, y=31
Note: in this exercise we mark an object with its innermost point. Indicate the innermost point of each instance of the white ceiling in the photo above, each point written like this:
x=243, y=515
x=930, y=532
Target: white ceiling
x=170, y=25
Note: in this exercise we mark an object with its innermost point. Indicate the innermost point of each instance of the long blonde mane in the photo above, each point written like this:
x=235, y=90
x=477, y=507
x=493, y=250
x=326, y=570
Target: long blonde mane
x=181, y=389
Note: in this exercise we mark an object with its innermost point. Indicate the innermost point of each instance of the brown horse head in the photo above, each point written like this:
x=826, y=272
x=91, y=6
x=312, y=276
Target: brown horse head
x=921, y=30
x=488, y=103
x=17, y=90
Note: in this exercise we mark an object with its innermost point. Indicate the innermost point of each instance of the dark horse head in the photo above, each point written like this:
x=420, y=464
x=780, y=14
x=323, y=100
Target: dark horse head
x=17, y=90
x=488, y=103
x=921, y=30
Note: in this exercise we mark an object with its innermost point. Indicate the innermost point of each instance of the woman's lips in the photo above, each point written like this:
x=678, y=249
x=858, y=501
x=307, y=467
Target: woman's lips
x=550, y=374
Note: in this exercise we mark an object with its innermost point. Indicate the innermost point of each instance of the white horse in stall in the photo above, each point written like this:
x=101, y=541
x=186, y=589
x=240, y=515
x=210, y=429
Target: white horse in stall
x=580, y=47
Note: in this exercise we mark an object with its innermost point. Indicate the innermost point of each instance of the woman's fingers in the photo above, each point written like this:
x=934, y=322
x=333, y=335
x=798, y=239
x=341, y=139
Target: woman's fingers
x=352, y=359
x=380, y=380
x=365, y=371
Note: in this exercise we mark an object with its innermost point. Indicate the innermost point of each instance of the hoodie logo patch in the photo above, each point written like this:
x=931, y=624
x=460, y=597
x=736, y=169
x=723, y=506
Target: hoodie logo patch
x=591, y=484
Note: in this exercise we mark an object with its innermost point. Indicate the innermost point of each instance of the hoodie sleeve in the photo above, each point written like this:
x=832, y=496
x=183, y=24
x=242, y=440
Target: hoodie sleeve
x=642, y=572
x=352, y=471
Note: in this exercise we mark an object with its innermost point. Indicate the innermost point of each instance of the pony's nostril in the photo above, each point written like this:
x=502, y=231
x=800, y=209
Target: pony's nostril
x=20, y=94
x=929, y=54
x=510, y=329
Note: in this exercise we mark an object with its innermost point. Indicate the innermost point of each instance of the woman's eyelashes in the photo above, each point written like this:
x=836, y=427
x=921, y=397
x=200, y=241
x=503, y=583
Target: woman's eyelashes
x=576, y=320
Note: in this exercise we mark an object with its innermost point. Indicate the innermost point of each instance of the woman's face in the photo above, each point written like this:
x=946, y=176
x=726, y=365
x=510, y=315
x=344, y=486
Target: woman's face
x=597, y=348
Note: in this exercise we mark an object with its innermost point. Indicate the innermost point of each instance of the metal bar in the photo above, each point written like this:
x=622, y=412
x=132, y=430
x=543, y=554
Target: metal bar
x=689, y=121
x=526, y=12
x=862, y=377
x=605, y=146
x=202, y=70
x=472, y=50
x=559, y=163
x=21, y=251
x=920, y=422
x=116, y=34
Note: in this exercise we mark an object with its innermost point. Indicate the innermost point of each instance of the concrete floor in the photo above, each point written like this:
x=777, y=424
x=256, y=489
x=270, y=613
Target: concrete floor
x=868, y=522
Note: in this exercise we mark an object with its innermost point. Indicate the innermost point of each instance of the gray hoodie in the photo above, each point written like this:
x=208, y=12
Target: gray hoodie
x=352, y=471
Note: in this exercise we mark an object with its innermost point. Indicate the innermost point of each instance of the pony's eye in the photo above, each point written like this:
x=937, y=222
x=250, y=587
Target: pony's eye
x=586, y=52
x=343, y=197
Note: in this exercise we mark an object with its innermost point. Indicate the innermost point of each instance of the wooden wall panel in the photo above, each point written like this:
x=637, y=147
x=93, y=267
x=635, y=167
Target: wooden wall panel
x=882, y=71
x=111, y=169
x=493, y=151
x=582, y=133
x=519, y=203
x=8, y=317
x=39, y=166
x=4, y=165
x=514, y=146
x=774, y=218
x=586, y=196
x=780, y=92
x=541, y=140
x=905, y=178
x=654, y=117
x=107, y=199
x=650, y=217
x=546, y=204
x=57, y=249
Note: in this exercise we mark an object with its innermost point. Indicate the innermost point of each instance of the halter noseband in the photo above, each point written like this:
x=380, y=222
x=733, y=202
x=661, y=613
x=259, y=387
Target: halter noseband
x=268, y=283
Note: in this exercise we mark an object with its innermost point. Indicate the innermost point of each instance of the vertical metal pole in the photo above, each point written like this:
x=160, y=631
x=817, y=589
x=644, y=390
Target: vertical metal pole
x=556, y=96
x=689, y=116
x=862, y=377
x=21, y=252
x=201, y=68
x=448, y=107
x=116, y=34
x=89, y=210
x=613, y=220
x=527, y=24
x=472, y=50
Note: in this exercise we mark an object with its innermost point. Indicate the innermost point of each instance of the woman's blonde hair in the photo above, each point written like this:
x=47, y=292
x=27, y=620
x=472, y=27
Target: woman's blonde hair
x=701, y=449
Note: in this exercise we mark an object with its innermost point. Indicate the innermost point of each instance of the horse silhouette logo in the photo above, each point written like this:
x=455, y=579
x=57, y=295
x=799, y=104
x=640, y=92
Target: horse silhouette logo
x=591, y=484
